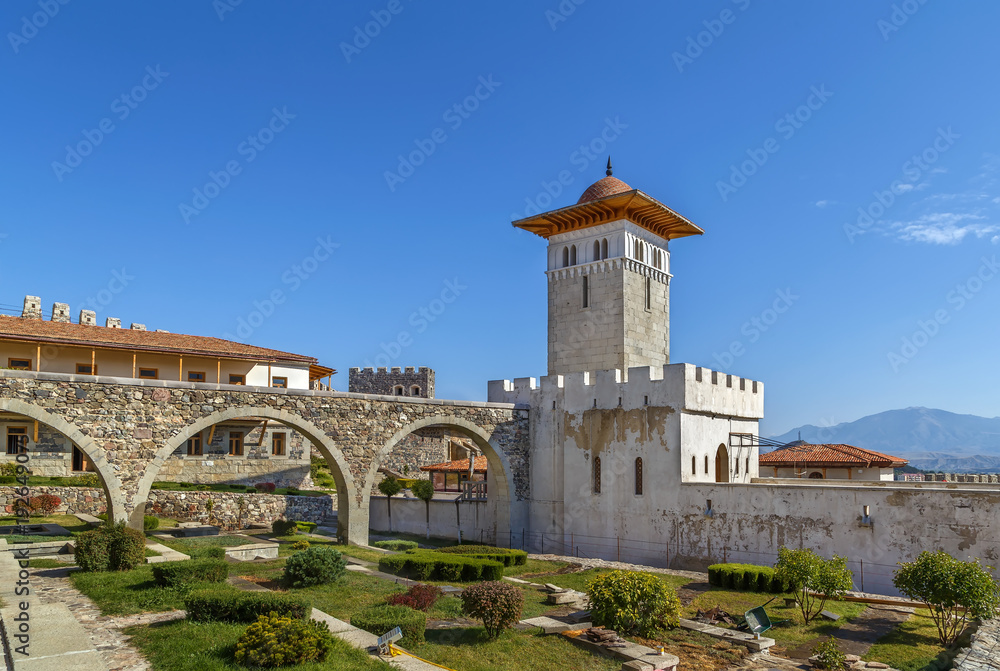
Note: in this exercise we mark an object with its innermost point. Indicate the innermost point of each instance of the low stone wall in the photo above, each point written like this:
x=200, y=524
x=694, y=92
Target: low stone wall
x=984, y=653
x=962, y=477
x=190, y=506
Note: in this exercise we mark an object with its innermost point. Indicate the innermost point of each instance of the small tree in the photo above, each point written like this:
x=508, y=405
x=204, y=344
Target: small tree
x=813, y=579
x=954, y=591
x=389, y=487
x=497, y=604
x=424, y=490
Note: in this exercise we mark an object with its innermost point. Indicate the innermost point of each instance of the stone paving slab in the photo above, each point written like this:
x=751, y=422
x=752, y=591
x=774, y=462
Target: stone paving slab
x=166, y=554
x=752, y=643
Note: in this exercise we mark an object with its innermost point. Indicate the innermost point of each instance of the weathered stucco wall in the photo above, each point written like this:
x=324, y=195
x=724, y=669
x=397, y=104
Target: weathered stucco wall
x=476, y=520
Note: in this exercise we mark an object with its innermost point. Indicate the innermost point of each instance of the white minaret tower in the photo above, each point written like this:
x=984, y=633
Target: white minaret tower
x=609, y=278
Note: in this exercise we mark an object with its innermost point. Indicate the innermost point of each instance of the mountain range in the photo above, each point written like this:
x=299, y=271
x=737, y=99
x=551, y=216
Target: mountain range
x=933, y=440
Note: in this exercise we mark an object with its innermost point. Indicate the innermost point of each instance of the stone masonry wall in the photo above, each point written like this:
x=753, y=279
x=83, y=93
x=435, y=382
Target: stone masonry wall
x=190, y=506
x=383, y=381
x=962, y=477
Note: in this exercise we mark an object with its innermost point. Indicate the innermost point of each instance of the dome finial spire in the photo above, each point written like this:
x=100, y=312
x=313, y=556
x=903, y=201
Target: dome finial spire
x=608, y=173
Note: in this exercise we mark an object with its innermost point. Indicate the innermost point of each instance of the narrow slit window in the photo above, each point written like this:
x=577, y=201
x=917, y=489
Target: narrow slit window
x=649, y=294
x=597, y=475
x=638, y=476
x=586, y=292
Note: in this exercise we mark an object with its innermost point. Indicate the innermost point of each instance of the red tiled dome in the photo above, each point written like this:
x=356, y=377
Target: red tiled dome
x=602, y=188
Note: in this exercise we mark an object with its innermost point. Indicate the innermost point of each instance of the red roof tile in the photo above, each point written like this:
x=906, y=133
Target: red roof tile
x=602, y=188
x=835, y=455
x=77, y=335
x=460, y=466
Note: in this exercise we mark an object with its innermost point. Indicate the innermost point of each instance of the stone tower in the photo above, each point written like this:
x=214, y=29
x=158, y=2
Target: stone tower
x=609, y=278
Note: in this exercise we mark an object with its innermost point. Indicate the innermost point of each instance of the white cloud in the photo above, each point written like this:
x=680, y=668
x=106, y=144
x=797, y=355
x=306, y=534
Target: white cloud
x=995, y=239
x=825, y=203
x=943, y=228
x=904, y=187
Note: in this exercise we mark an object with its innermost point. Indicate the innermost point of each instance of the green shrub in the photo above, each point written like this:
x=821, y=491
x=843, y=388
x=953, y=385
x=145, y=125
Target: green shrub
x=433, y=565
x=299, y=546
x=746, y=577
x=85, y=480
x=308, y=527
x=813, y=578
x=315, y=566
x=174, y=574
x=8, y=468
x=633, y=603
x=213, y=552
x=830, y=656
x=150, y=523
x=230, y=605
x=396, y=546
x=44, y=504
x=8, y=479
x=284, y=527
x=274, y=641
x=110, y=548
x=508, y=556
x=496, y=604
x=381, y=619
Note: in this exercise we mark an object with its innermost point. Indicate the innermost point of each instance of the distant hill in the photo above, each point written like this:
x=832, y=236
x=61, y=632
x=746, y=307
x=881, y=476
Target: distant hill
x=931, y=439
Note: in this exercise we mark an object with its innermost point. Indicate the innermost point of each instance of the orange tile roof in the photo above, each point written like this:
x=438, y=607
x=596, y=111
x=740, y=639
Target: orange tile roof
x=460, y=466
x=77, y=335
x=835, y=455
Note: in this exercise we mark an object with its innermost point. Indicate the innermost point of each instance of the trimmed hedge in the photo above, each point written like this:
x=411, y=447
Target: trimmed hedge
x=508, y=556
x=284, y=527
x=746, y=578
x=110, y=548
x=433, y=565
x=308, y=527
x=210, y=605
x=380, y=619
x=396, y=546
x=172, y=574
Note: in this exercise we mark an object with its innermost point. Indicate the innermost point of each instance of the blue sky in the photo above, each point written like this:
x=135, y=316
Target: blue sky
x=183, y=164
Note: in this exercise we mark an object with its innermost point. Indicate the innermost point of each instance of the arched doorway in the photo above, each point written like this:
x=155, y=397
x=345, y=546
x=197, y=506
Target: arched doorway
x=353, y=525
x=816, y=475
x=501, y=511
x=76, y=441
x=722, y=464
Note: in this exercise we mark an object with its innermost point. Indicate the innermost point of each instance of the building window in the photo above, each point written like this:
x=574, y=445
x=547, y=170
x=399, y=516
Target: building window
x=80, y=460
x=597, y=250
x=694, y=466
x=235, y=443
x=597, y=475
x=638, y=476
x=572, y=255
x=736, y=466
x=706, y=464
x=414, y=390
x=194, y=446
x=649, y=294
x=565, y=259
x=278, y=444
x=19, y=364
x=195, y=376
x=586, y=292
x=397, y=390
x=85, y=369
x=280, y=382
x=604, y=248
x=149, y=373
x=17, y=436
x=747, y=470
x=237, y=379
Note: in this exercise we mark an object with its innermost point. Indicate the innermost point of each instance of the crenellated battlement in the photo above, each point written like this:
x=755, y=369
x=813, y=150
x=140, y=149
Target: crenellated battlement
x=682, y=386
x=396, y=381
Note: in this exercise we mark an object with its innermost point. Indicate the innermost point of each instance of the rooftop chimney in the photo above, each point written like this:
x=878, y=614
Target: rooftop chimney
x=88, y=318
x=60, y=312
x=113, y=323
x=32, y=307
x=138, y=327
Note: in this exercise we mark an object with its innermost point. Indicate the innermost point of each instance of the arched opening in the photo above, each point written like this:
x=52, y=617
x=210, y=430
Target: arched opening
x=52, y=446
x=572, y=255
x=597, y=250
x=816, y=475
x=397, y=390
x=604, y=248
x=482, y=508
x=352, y=523
x=722, y=464
x=565, y=257
x=415, y=390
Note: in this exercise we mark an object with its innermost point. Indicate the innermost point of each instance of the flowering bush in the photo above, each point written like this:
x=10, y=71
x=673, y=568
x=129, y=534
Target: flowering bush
x=44, y=504
x=265, y=487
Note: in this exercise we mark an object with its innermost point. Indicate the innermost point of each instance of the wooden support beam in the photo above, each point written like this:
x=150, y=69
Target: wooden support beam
x=263, y=430
x=36, y=430
x=211, y=434
x=268, y=373
x=218, y=371
x=133, y=364
x=93, y=362
x=180, y=368
x=38, y=358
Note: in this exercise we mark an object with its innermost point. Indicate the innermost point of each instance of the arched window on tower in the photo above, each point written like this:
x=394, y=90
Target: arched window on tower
x=638, y=476
x=572, y=255
x=414, y=390
x=398, y=390
x=638, y=250
x=597, y=475
x=604, y=248
x=597, y=250
x=565, y=257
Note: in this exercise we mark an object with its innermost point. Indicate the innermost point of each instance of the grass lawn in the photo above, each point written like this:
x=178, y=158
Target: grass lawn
x=45, y=562
x=421, y=539
x=128, y=592
x=535, y=568
x=188, y=646
x=70, y=523
x=468, y=650
x=789, y=634
x=196, y=545
x=579, y=580
x=912, y=646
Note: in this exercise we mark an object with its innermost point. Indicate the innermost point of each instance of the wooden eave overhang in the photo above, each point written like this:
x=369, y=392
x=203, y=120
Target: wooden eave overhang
x=317, y=371
x=635, y=206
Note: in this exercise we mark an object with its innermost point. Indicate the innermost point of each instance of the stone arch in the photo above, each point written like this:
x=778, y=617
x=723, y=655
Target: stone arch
x=105, y=472
x=498, y=465
x=350, y=522
x=722, y=464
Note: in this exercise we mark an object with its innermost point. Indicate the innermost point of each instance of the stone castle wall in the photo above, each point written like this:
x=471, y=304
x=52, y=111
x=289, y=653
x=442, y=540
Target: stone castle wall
x=384, y=381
